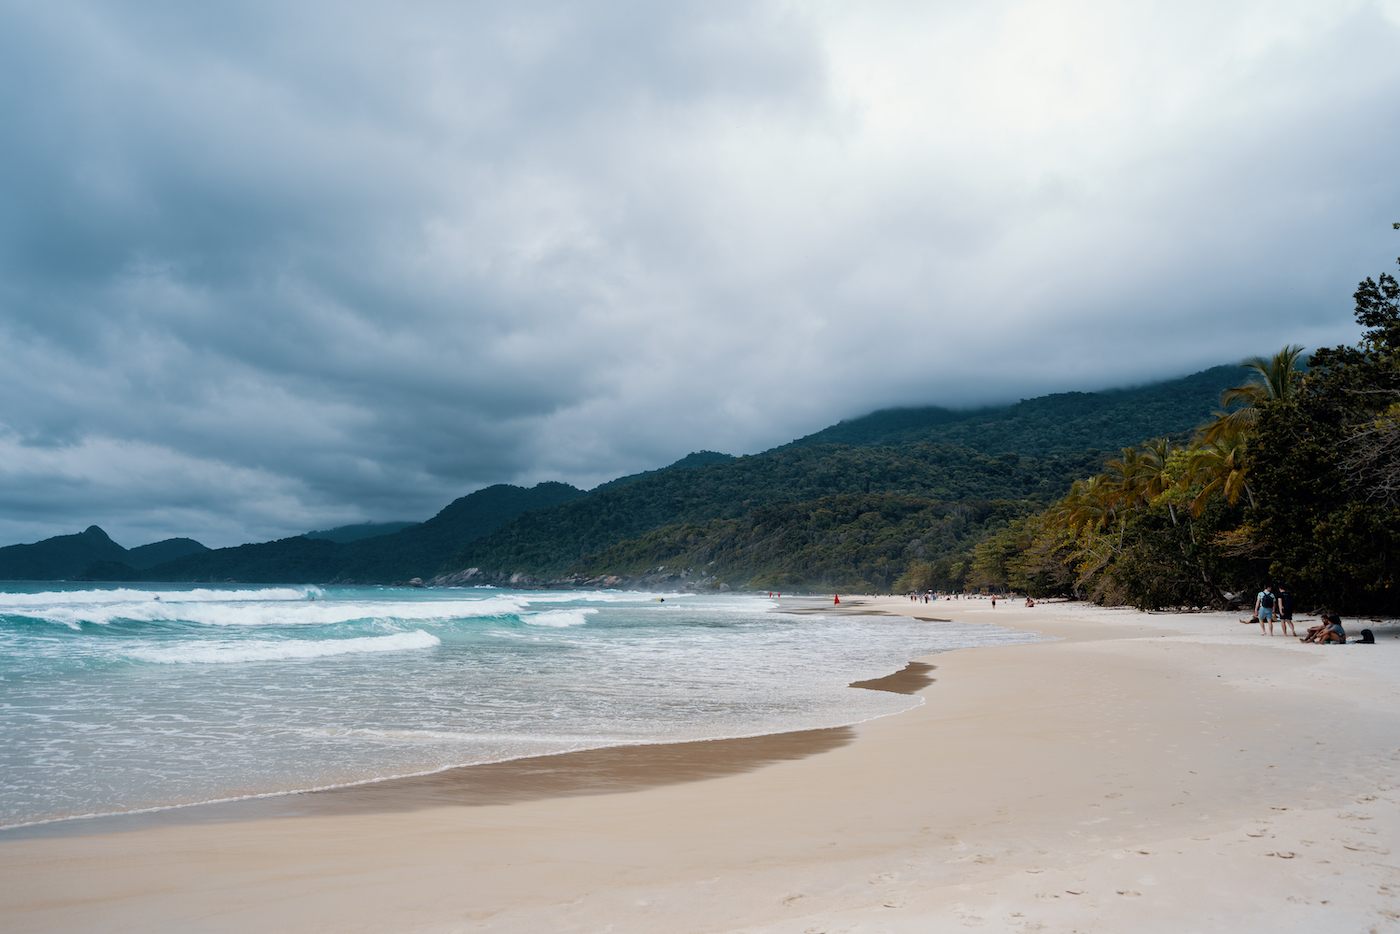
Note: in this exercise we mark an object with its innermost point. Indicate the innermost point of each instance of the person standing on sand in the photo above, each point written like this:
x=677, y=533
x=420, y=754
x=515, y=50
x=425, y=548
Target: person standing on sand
x=1264, y=609
x=1285, y=611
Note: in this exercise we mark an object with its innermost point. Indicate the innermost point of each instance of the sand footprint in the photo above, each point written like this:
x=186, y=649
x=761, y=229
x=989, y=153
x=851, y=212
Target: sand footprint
x=1359, y=847
x=966, y=915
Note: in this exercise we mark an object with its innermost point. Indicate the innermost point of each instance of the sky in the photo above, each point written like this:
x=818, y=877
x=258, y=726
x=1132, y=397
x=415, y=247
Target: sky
x=272, y=267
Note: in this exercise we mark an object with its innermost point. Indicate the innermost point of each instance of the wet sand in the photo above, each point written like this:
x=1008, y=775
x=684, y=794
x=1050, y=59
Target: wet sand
x=588, y=772
x=1144, y=773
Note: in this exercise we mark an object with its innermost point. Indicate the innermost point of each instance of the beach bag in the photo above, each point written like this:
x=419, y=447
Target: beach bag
x=1367, y=637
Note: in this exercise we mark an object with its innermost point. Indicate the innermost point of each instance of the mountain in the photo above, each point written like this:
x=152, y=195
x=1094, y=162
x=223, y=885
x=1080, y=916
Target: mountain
x=148, y=556
x=65, y=557
x=415, y=551
x=694, y=459
x=1054, y=424
x=752, y=521
x=548, y=542
x=354, y=533
x=853, y=504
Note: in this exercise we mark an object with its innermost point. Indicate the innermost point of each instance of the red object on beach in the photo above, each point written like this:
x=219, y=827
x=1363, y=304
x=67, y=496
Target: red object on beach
x=838, y=599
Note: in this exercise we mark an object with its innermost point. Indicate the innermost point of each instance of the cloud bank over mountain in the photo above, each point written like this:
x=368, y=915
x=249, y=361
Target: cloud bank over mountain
x=274, y=267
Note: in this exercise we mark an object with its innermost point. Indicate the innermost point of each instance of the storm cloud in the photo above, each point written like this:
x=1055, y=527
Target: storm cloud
x=273, y=267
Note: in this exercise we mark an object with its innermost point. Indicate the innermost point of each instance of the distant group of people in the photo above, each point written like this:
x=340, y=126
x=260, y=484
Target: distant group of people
x=1275, y=604
x=929, y=596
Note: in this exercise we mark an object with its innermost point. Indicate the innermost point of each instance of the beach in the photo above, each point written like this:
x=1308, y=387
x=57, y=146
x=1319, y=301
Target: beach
x=1141, y=772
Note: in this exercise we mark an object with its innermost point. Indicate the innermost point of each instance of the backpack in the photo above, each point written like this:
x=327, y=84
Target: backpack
x=1368, y=637
x=1266, y=600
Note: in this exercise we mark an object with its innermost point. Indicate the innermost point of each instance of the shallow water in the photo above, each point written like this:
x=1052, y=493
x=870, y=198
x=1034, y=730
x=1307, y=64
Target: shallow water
x=115, y=699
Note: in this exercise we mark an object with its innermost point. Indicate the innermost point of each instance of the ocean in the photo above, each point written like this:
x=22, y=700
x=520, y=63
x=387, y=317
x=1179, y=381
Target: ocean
x=118, y=699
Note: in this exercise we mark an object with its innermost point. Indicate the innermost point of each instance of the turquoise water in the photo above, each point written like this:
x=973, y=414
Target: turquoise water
x=117, y=699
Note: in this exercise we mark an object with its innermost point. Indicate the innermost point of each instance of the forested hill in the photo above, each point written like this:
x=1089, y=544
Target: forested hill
x=65, y=556
x=547, y=543
x=812, y=514
x=416, y=551
x=1054, y=424
x=694, y=459
x=846, y=542
x=360, y=531
x=853, y=505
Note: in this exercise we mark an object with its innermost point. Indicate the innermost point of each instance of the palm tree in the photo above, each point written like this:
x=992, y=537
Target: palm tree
x=1124, y=478
x=1152, y=470
x=1088, y=505
x=1136, y=477
x=1222, y=466
x=1275, y=380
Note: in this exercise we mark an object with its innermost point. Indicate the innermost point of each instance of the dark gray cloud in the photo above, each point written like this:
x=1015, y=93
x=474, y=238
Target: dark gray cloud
x=272, y=267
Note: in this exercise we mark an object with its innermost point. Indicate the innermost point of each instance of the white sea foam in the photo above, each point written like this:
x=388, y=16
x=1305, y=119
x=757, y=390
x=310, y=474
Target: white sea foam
x=18, y=601
x=262, y=650
x=467, y=737
x=558, y=618
x=602, y=596
x=276, y=612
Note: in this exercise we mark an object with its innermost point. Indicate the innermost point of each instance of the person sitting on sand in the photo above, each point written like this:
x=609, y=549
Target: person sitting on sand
x=1330, y=630
x=1334, y=633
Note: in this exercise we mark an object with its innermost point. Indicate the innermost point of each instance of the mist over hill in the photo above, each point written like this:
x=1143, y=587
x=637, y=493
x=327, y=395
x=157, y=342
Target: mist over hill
x=1053, y=424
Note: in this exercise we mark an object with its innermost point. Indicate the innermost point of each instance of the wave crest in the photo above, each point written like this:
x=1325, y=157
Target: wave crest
x=558, y=618
x=263, y=650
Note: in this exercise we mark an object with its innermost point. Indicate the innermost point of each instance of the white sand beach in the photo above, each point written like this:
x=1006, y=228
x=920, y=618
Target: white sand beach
x=1142, y=773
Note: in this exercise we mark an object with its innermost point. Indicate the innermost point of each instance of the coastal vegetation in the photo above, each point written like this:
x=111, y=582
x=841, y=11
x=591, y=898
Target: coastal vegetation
x=1296, y=479
x=842, y=542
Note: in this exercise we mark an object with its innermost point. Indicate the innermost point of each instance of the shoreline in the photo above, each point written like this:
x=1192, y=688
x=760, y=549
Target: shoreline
x=592, y=770
x=1144, y=772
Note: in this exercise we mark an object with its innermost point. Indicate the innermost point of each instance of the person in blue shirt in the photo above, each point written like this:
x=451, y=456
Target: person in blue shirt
x=1264, y=609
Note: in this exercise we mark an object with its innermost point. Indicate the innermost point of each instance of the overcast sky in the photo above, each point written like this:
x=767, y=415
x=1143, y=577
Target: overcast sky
x=269, y=267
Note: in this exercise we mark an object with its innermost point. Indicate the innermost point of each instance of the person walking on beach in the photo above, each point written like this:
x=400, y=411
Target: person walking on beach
x=1264, y=609
x=1285, y=611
